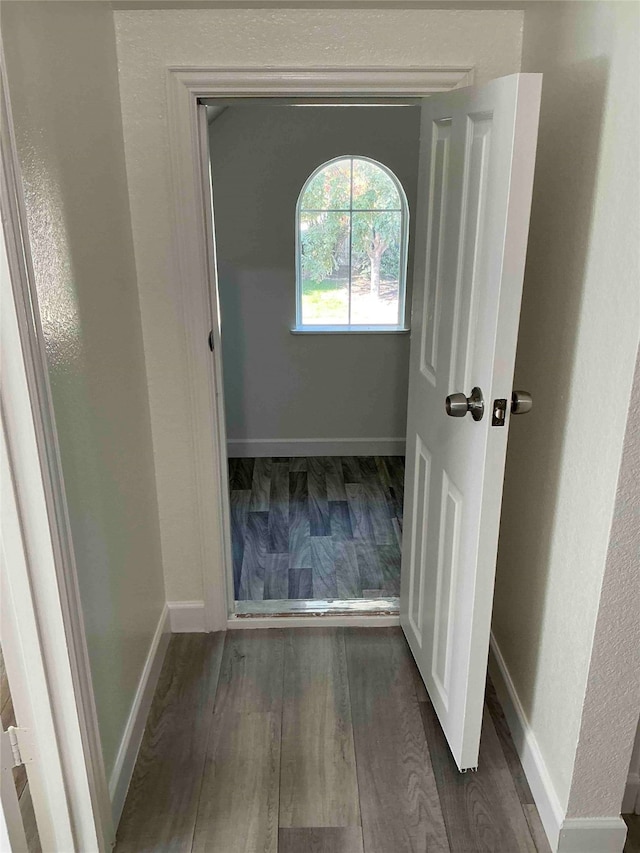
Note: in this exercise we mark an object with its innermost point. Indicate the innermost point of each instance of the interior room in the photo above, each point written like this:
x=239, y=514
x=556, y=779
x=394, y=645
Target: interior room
x=315, y=372
x=272, y=580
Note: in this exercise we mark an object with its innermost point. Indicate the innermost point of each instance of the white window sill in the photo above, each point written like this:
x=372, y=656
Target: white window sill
x=349, y=330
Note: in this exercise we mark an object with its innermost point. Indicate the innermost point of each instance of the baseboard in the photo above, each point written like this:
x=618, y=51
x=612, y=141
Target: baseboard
x=187, y=617
x=565, y=835
x=130, y=744
x=631, y=798
x=316, y=447
x=544, y=794
x=592, y=835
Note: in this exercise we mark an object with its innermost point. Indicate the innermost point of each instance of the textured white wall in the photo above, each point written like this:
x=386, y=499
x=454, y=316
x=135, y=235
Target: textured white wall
x=61, y=66
x=150, y=41
x=279, y=385
x=576, y=352
x=612, y=701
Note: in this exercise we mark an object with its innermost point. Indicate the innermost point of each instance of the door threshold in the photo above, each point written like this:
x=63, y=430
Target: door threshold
x=303, y=613
x=388, y=606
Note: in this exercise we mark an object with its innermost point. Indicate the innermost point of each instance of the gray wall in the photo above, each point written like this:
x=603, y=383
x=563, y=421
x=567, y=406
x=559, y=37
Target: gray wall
x=578, y=339
x=279, y=385
x=63, y=82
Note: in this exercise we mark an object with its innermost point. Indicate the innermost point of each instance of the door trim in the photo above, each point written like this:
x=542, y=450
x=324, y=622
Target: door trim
x=193, y=251
x=47, y=656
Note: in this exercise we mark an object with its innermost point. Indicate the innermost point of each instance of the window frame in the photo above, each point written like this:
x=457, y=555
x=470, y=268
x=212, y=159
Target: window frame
x=356, y=328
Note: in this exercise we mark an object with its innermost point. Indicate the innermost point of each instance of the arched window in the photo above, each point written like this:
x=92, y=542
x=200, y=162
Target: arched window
x=352, y=227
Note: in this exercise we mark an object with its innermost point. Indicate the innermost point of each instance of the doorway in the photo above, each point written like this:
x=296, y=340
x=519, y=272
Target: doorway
x=314, y=205
x=476, y=154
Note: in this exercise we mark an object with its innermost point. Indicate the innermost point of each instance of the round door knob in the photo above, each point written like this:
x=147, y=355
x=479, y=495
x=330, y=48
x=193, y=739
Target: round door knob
x=521, y=402
x=457, y=405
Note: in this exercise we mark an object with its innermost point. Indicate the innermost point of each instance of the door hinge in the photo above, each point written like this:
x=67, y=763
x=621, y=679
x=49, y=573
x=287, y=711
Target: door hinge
x=19, y=743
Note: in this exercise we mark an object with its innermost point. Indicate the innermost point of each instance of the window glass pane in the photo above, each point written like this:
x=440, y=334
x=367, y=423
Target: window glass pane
x=373, y=188
x=375, y=268
x=324, y=266
x=330, y=189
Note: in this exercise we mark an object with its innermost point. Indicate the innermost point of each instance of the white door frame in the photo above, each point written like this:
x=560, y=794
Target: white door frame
x=195, y=269
x=43, y=633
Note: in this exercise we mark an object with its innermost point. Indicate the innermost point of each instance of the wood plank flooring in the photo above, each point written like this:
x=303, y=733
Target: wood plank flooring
x=319, y=740
x=316, y=527
x=162, y=802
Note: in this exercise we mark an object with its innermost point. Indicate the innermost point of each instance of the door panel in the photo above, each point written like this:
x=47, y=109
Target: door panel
x=437, y=229
x=473, y=216
x=477, y=153
x=418, y=528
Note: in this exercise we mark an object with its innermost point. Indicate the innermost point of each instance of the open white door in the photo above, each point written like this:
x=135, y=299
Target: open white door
x=477, y=153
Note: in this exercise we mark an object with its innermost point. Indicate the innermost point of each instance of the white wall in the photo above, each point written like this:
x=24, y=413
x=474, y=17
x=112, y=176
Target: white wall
x=62, y=74
x=578, y=342
x=150, y=41
x=279, y=385
x=612, y=698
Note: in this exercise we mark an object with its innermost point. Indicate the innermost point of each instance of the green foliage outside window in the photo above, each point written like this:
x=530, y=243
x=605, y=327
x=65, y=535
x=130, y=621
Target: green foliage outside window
x=351, y=216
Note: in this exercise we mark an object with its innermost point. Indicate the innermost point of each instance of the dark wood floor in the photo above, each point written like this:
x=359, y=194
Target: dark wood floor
x=633, y=833
x=317, y=527
x=319, y=739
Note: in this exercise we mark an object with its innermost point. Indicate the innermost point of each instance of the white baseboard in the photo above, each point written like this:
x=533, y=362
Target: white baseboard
x=592, y=835
x=544, y=794
x=631, y=798
x=130, y=744
x=187, y=617
x=316, y=447
x=565, y=835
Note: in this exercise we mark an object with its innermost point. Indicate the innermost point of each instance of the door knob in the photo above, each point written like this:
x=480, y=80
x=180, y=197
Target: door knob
x=521, y=402
x=457, y=405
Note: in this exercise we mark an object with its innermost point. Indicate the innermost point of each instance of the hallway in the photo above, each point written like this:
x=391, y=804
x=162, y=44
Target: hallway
x=319, y=739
